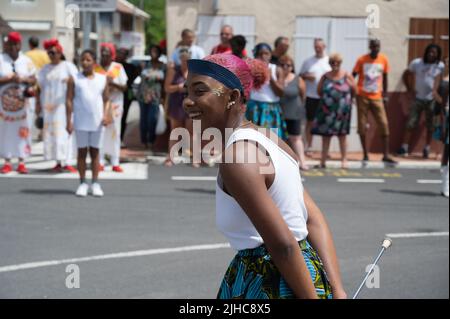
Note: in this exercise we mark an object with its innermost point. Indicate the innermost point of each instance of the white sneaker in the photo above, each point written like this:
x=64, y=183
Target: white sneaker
x=82, y=190
x=97, y=190
x=445, y=190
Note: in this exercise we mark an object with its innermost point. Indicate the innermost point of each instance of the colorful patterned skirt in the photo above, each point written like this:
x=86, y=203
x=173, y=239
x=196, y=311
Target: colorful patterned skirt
x=268, y=115
x=253, y=275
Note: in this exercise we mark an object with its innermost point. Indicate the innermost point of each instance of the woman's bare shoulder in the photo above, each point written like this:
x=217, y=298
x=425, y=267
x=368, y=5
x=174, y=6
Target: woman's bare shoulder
x=282, y=144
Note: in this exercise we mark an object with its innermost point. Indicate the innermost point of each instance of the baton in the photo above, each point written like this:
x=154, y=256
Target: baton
x=387, y=242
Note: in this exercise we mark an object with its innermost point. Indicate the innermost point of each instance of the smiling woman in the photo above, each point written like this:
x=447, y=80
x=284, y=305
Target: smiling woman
x=279, y=232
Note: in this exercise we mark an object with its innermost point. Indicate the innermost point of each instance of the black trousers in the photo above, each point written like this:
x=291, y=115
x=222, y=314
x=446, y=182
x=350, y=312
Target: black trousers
x=126, y=107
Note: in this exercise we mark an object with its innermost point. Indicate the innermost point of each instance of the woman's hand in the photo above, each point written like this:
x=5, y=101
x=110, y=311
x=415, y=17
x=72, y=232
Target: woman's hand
x=69, y=127
x=109, y=80
x=339, y=294
x=106, y=121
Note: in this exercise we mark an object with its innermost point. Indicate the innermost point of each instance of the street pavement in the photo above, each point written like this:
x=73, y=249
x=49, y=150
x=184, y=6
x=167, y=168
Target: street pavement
x=153, y=235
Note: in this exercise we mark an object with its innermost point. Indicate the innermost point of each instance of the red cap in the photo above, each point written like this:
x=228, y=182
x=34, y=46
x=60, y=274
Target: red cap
x=53, y=43
x=163, y=44
x=14, y=37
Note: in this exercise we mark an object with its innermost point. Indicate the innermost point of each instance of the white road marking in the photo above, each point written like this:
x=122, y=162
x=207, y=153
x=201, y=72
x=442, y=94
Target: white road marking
x=429, y=181
x=130, y=254
x=361, y=180
x=418, y=235
x=132, y=171
x=194, y=178
x=41, y=169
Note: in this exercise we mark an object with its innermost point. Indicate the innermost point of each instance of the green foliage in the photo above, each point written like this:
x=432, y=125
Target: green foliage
x=155, y=29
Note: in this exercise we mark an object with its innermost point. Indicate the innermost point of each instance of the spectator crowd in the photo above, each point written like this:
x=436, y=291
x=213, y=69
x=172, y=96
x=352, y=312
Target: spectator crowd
x=82, y=109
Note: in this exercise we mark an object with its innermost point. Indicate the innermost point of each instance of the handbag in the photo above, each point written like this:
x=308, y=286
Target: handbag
x=161, y=124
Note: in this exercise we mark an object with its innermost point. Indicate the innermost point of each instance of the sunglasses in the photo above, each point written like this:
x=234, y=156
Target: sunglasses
x=285, y=65
x=335, y=62
x=51, y=53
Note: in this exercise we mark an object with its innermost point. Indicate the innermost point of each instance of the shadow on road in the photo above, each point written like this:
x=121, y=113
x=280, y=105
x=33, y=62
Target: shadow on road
x=47, y=191
x=197, y=190
x=412, y=193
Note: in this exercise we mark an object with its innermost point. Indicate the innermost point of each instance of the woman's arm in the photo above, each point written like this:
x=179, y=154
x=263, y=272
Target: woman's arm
x=13, y=77
x=122, y=81
x=120, y=87
x=30, y=80
x=69, y=104
x=302, y=89
x=322, y=241
x=278, y=85
x=247, y=185
x=38, y=109
x=352, y=83
x=106, y=107
x=168, y=86
x=320, y=85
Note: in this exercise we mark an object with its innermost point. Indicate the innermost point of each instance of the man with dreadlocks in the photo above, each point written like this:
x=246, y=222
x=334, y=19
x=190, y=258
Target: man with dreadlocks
x=424, y=70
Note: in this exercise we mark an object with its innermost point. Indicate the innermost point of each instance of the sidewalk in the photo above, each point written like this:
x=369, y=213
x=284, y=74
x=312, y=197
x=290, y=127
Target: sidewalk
x=413, y=161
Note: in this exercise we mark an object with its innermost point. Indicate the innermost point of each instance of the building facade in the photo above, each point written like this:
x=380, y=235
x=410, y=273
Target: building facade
x=125, y=26
x=38, y=18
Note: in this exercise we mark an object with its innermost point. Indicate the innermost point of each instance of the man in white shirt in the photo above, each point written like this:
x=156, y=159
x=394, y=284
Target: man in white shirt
x=188, y=39
x=424, y=70
x=312, y=71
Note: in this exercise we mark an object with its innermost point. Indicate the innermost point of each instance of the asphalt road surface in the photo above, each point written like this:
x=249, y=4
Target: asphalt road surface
x=153, y=235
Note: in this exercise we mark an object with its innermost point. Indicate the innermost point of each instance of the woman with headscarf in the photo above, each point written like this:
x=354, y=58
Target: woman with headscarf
x=17, y=77
x=51, y=103
x=263, y=108
x=278, y=231
x=117, y=81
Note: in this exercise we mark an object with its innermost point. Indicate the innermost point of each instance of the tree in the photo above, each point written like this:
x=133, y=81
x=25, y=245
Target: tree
x=155, y=28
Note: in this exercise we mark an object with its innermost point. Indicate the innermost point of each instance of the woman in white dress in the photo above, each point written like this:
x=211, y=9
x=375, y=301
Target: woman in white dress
x=17, y=76
x=51, y=103
x=117, y=82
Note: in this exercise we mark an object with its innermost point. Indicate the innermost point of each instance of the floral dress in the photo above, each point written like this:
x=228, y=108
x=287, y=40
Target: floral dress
x=334, y=113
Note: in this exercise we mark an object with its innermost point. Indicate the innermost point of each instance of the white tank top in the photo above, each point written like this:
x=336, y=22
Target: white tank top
x=265, y=93
x=286, y=191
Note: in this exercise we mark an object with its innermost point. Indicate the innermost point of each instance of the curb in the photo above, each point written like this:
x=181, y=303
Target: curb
x=159, y=160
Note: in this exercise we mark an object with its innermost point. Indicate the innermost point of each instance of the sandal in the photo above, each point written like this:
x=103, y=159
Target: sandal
x=168, y=163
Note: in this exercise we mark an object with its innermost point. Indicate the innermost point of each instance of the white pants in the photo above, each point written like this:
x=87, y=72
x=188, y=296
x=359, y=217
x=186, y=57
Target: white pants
x=111, y=139
x=87, y=139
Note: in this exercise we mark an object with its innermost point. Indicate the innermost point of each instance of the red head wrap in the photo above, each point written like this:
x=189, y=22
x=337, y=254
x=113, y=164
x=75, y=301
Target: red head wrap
x=14, y=37
x=111, y=47
x=53, y=43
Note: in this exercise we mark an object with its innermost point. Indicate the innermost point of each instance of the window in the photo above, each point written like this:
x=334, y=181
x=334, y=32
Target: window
x=208, y=30
x=422, y=32
x=23, y=1
x=347, y=36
